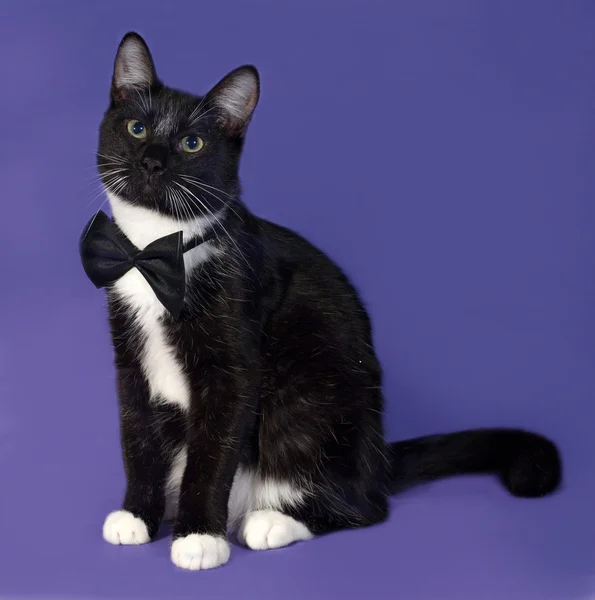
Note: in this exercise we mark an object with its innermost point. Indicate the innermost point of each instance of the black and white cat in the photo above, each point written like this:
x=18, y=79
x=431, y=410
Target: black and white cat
x=259, y=407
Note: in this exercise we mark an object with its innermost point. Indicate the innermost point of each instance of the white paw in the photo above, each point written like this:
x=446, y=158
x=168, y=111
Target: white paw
x=199, y=551
x=267, y=529
x=122, y=527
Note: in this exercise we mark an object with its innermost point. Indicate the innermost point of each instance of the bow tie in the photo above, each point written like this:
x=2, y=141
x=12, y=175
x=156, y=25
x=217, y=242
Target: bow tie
x=107, y=254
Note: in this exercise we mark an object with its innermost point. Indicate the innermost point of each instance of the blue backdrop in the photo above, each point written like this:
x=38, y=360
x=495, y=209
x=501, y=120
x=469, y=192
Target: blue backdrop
x=443, y=153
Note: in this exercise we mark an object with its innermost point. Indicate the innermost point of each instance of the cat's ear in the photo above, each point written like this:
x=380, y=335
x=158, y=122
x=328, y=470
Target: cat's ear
x=236, y=96
x=133, y=67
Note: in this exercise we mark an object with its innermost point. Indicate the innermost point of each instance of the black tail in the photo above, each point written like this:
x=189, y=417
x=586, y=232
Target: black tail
x=528, y=464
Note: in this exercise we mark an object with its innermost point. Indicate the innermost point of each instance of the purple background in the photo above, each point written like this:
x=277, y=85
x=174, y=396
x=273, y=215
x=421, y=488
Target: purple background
x=443, y=152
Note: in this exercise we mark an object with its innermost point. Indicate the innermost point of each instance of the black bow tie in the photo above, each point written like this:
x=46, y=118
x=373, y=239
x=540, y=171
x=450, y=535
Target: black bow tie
x=107, y=254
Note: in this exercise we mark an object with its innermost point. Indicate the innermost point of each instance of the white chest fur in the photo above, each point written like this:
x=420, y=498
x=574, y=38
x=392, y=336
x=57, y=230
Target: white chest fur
x=163, y=370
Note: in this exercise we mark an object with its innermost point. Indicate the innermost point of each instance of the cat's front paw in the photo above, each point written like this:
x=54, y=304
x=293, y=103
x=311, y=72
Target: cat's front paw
x=122, y=527
x=199, y=551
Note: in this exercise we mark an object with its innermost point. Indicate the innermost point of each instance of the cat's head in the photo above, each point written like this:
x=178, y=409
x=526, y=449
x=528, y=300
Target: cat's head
x=168, y=150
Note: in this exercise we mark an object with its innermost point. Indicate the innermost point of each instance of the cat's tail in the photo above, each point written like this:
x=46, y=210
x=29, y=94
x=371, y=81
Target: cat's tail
x=528, y=464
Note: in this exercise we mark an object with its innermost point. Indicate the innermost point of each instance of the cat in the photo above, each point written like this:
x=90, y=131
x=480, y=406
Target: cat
x=257, y=410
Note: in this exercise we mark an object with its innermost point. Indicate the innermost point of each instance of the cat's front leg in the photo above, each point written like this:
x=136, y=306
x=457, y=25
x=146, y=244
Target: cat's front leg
x=222, y=405
x=145, y=464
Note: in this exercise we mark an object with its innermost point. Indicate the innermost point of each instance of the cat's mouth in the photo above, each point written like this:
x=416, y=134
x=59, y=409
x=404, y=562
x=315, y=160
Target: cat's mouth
x=151, y=183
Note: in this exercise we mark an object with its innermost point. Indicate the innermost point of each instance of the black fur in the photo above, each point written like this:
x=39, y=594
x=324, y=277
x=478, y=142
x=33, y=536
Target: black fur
x=277, y=348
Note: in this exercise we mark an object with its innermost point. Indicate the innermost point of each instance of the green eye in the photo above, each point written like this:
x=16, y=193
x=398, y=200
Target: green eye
x=192, y=143
x=136, y=129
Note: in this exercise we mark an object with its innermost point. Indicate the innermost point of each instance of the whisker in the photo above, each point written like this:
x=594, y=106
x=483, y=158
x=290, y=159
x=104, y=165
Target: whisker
x=197, y=180
x=179, y=205
x=111, y=157
x=185, y=207
x=104, y=164
x=220, y=225
x=197, y=109
x=170, y=200
x=119, y=186
x=201, y=115
x=114, y=190
x=92, y=221
x=98, y=180
x=199, y=184
x=109, y=172
x=175, y=203
x=96, y=197
x=107, y=164
x=103, y=185
x=145, y=106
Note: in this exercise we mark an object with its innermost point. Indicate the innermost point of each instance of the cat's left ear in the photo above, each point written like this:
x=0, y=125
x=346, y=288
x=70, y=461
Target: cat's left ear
x=236, y=97
x=133, y=67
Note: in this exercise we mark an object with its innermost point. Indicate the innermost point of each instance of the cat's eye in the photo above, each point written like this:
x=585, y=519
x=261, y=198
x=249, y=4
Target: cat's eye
x=192, y=143
x=136, y=129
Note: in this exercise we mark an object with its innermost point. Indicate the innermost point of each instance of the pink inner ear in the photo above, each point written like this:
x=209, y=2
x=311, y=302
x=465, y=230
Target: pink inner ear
x=125, y=92
x=237, y=98
x=120, y=93
x=133, y=66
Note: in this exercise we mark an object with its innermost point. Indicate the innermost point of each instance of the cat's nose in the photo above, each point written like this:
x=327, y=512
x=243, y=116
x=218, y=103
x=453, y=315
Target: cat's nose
x=153, y=165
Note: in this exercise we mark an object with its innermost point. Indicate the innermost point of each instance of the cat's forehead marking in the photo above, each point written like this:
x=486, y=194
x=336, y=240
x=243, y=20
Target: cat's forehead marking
x=166, y=120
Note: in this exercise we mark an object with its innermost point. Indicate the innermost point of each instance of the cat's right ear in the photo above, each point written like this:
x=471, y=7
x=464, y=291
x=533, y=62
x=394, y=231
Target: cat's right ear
x=133, y=67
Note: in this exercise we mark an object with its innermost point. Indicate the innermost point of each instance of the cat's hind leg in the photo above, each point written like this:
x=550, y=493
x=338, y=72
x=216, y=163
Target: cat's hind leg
x=258, y=510
x=320, y=509
x=267, y=529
